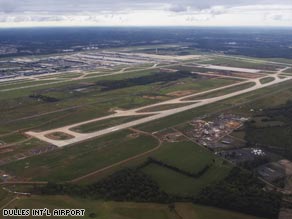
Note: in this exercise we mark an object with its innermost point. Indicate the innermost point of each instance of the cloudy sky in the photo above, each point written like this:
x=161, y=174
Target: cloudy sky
x=14, y=13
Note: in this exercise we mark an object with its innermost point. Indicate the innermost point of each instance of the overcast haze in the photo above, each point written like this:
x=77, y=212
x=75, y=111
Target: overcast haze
x=15, y=13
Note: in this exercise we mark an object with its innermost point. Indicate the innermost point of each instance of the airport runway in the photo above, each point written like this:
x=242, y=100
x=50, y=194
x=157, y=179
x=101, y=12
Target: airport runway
x=79, y=137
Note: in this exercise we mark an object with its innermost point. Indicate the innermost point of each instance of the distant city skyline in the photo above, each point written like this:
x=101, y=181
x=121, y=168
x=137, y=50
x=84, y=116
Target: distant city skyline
x=26, y=13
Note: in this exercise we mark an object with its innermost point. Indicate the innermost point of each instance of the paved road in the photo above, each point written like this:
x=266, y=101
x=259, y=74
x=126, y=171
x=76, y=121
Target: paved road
x=78, y=137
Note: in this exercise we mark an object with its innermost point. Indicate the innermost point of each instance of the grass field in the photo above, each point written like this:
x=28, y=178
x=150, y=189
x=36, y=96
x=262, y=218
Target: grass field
x=188, y=157
x=126, y=210
x=272, y=136
x=26, y=84
x=267, y=80
x=12, y=138
x=83, y=158
x=18, y=148
x=281, y=60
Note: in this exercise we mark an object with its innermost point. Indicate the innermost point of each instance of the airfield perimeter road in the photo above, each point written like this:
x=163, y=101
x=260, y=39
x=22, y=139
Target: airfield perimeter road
x=78, y=137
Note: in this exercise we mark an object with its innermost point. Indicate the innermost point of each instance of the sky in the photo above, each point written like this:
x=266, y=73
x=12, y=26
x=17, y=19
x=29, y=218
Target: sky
x=27, y=13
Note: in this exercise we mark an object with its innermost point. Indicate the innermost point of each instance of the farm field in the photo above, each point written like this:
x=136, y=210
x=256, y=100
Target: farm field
x=193, y=160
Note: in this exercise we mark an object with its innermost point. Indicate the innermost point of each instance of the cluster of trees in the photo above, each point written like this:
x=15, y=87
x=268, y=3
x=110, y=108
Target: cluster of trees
x=198, y=174
x=258, y=161
x=247, y=45
x=284, y=112
x=124, y=185
x=144, y=80
x=275, y=138
x=242, y=191
x=44, y=98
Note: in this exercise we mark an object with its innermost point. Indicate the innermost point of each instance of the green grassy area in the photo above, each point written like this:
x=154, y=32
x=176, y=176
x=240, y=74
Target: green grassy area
x=186, y=211
x=80, y=159
x=267, y=80
x=188, y=157
x=25, y=84
x=12, y=138
x=70, y=75
x=125, y=210
x=60, y=136
x=272, y=136
x=14, y=82
x=57, y=84
x=194, y=156
x=103, y=124
x=22, y=147
x=280, y=60
x=289, y=70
